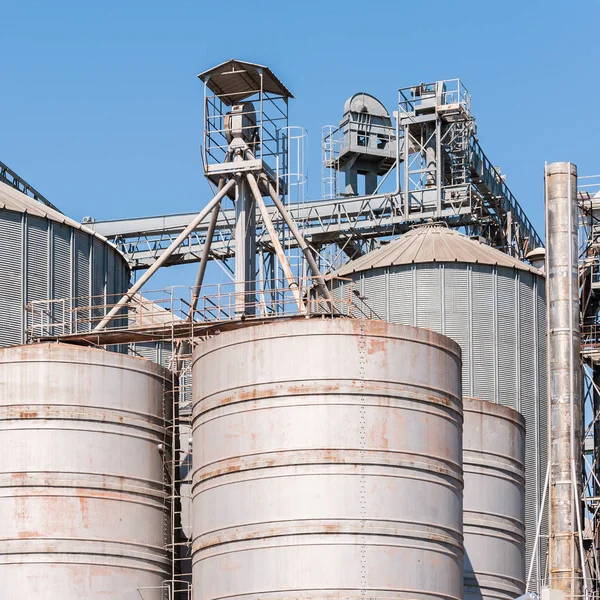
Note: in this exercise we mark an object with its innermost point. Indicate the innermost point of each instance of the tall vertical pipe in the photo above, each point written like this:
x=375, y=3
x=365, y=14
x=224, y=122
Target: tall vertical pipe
x=564, y=374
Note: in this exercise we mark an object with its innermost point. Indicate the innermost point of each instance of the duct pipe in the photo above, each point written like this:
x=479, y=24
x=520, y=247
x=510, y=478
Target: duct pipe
x=162, y=259
x=564, y=376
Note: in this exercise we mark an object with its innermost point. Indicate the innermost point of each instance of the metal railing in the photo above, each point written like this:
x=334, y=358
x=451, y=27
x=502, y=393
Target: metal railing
x=171, y=308
x=590, y=337
x=438, y=93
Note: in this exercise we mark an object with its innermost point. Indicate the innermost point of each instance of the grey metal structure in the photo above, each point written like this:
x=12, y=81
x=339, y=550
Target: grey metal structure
x=494, y=501
x=327, y=462
x=47, y=255
x=84, y=503
x=441, y=173
x=244, y=106
x=589, y=289
x=491, y=304
x=566, y=554
x=367, y=144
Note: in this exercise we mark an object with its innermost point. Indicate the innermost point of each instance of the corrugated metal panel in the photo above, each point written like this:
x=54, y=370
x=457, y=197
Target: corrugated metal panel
x=82, y=278
x=42, y=259
x=61, y=272
x=507, y=334
x=373, y=304
x=540, y=299
x=37, y=261
x=401, y=293
x=529, y=408
x=99, y=275
x=111, y=279
x=11, y=282
x=483, y=302
x=148, y=350
x=429, y=289
x=456, y=297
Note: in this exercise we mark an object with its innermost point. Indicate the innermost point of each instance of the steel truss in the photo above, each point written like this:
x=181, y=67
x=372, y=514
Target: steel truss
x=442, y=174
x=589, y=285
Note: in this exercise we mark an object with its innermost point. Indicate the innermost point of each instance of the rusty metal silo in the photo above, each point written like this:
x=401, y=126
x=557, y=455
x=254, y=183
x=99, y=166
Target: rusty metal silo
x=494, y=306
x=494, y=501
x=327, y=462
x=83, y=502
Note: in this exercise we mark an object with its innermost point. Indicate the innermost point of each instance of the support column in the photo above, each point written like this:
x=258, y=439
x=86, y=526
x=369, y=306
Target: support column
x=351, y=181
x=565, y=377
x=370, y=183
x=245, y=250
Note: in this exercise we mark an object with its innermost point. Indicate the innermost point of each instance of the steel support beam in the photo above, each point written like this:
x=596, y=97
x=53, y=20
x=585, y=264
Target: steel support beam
x=164, y=256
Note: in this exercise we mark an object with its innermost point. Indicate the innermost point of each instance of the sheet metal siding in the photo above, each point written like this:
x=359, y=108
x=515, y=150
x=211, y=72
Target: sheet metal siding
x=541, y=402
x=98, y=283
x=327, y=462
x=12, y=288
x=83, y=286
x=82, y=488
x=37, y=280
x=497, y=315
x=42, y=259
x=60, y=269
x=456, y=295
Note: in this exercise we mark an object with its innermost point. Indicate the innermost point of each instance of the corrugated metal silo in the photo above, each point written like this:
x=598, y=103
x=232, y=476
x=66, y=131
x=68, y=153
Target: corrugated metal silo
x=494, y=501
x=47, y=255
x=327, y=462
x=491, y=304
x=84, y=494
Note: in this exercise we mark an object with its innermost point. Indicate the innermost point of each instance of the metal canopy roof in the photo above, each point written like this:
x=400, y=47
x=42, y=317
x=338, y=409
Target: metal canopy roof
x=235, y=80
x=428, y=244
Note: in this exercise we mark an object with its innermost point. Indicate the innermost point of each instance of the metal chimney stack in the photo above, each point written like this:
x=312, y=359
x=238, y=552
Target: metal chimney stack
x=565, y=378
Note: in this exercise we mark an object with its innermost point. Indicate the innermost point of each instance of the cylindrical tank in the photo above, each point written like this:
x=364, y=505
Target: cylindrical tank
x=82, y=493
x=494, y=501
x=45, y=255
x=327, y=462
x=493, y=305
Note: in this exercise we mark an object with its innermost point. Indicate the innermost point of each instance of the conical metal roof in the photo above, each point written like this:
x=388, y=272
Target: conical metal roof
x=428, y=244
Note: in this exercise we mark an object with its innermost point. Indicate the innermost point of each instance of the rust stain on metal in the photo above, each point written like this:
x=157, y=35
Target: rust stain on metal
x=84, y=511
x=375, y=345
x=27, y=535
x=27, y=414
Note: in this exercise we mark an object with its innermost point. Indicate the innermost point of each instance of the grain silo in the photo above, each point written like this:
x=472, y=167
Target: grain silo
x=84, y=503
x=494, y=501
x=493, y=305
x=45, y=255
x=327, y=462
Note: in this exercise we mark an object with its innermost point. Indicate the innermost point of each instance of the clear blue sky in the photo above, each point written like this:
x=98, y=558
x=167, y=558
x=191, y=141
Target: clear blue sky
x=102, y=112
